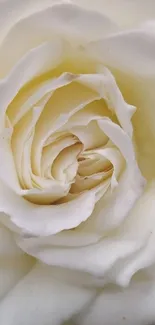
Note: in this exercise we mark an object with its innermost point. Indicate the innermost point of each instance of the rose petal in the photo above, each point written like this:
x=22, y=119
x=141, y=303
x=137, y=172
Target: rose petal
x=105, y=84
x=67, y=20
x=19, y=10
x=123, y=12
x=14, y=264
x=22, y=132
x=134, y=305
x=141, y=223
x=131, y=56
x=52, y=119
x=45, y=220
x=141, y=259
x=65, y=165
x=42, y=302
x=143, y=96
x=115, y=157
x=40, y=190
x=90, y=166
x=131, y=51
x=136, y=81
x=122, y=141
x=130, y=188
x=7, y=170
x=23, y=102
x=48, y=56
x=96, y=258
x=124, y=244
x=51, y=151
x=69, y=238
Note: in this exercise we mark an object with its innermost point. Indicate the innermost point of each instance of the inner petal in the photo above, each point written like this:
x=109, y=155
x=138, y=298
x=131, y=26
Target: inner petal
x=90, y=166
x=65, y=165
x=84, y=124
x=51, y=151
x=33, y=92
x=60, y=139
x=90, y=135
x=21, y=133
x=62, y=104
x=93, y=169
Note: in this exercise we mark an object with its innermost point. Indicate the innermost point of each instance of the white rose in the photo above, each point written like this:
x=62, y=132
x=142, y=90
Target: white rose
x=77, y=148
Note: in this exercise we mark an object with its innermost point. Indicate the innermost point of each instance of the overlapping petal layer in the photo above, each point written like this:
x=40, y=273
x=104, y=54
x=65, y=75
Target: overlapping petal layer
x=69, y=176
x=66, y=137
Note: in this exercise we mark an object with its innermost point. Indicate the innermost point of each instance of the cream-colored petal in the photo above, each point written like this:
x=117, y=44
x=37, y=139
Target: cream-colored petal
x=130, y=188
x=121, y=139
x=20, y=106
x=96, y=258
x=65, y=165
x=39, y=190
x=22, y=132
x=124, y=12
x=115, y=157
x=90, y=135
x=26, y=171
x=104, y=83
x=63, y=104
x=130, y=51
x=51, y=151
x=133, y=305
x=19, y=10
x=88, y=166
x=48, y=55
x=34, y=219
x=66, y=20
x=107, y=215
x=130, y=56
x=14, y=264
x=54, y=192
x=87, y=183
x=140, y=223
x=143, y=96
x=39, y=296
x=8, y=169
x=69, y=238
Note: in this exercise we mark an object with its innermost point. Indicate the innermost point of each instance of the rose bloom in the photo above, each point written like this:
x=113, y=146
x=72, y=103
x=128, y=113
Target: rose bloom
x=77, y=152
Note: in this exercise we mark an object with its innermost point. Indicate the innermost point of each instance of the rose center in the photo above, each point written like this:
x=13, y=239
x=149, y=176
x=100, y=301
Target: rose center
x=59, y=148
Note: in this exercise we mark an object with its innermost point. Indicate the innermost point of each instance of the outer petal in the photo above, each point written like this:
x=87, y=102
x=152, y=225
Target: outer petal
x=45, y=220
x=124, y=12
x=130, y=56
x=13, y=11
x=109, y=212
x=66, y=20
x=143, y=96
x=48, y=55
x=14, y=264
x=130, y=51
x=134, y=305
x=141, y=225
x=97, y=259
x=40, y=299
x=130, y=242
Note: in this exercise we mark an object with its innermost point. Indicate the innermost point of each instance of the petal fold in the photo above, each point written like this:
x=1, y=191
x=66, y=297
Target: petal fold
x=43, y=300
